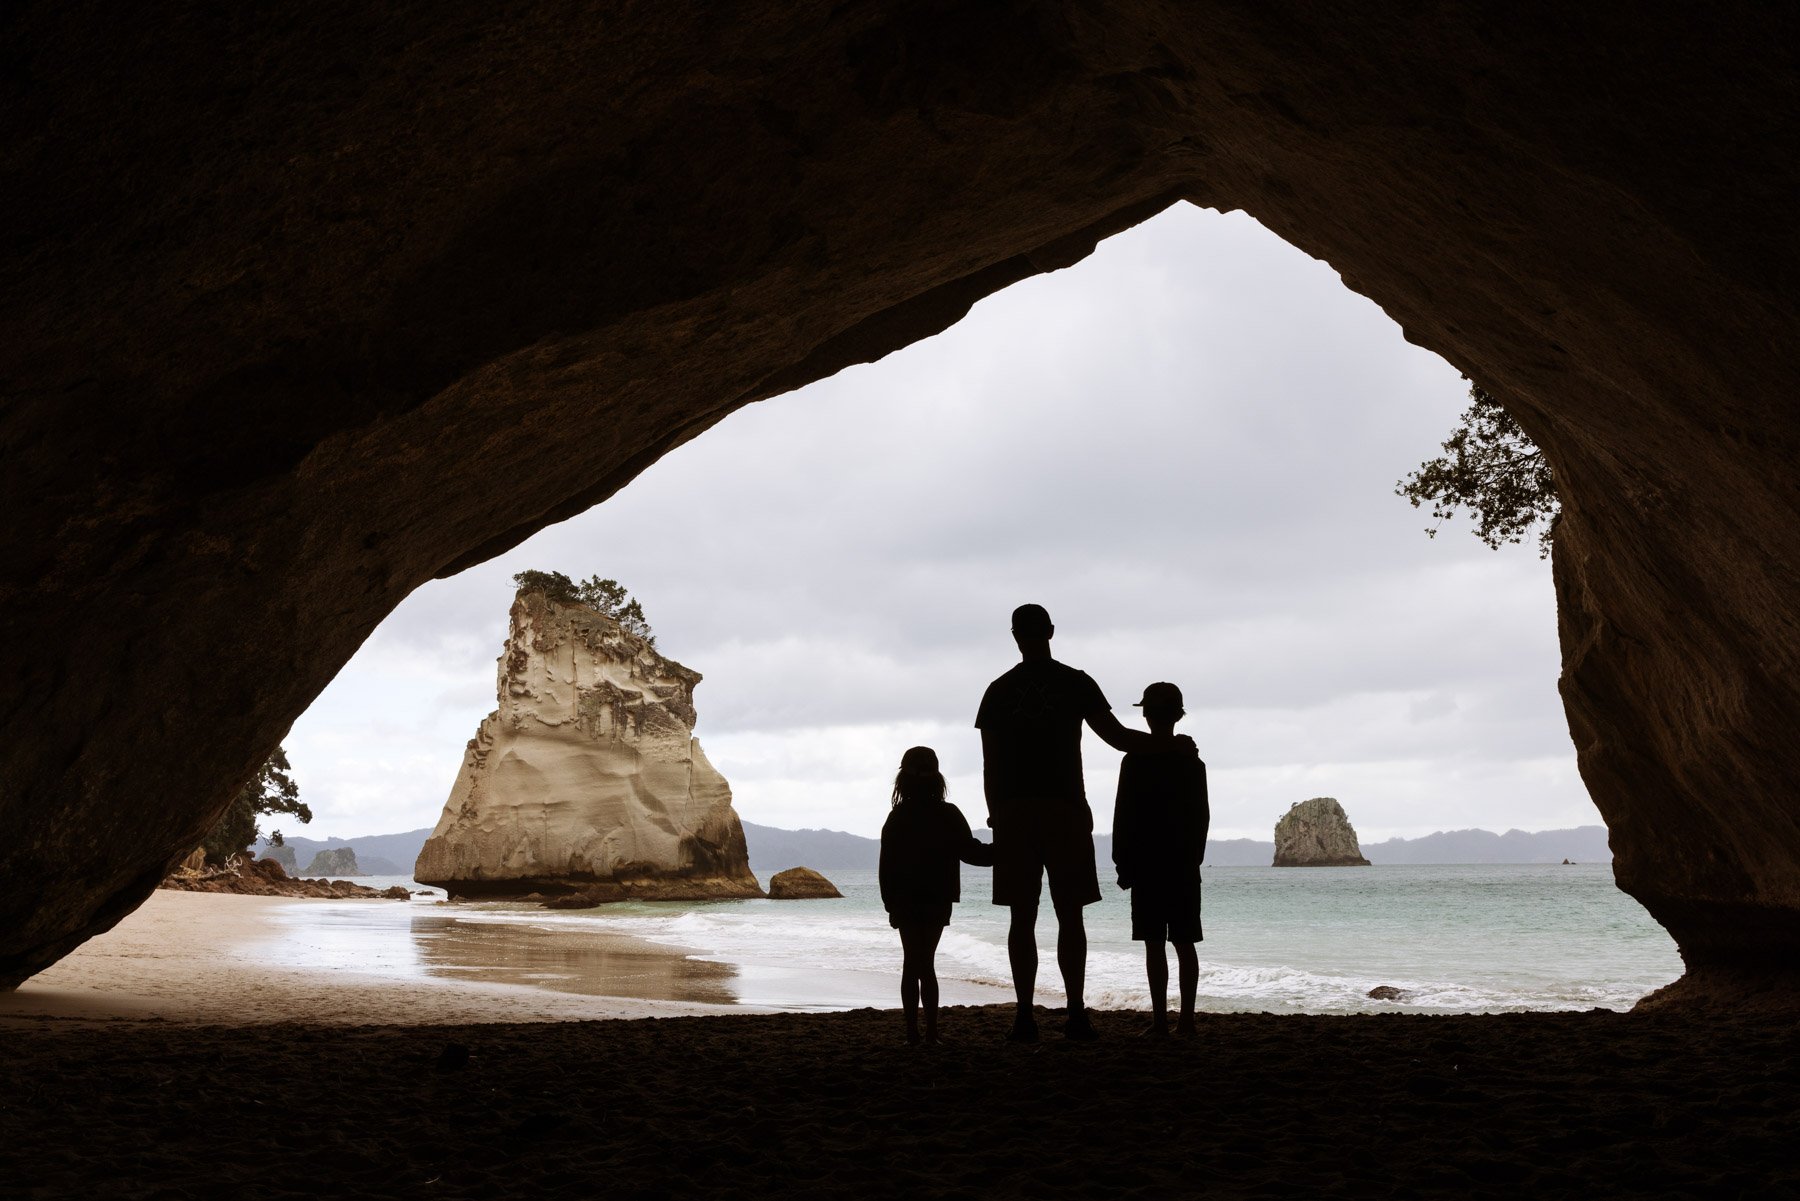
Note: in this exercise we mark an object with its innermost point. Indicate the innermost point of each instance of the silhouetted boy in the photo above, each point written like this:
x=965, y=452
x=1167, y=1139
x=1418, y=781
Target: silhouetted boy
x=1160, y=822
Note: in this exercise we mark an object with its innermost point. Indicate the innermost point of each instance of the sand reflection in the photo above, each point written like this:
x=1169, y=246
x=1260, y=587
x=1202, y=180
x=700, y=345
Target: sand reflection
x=589, y=963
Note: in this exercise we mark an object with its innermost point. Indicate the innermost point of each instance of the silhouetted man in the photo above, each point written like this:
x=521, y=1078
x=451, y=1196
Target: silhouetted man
x=1030, y=723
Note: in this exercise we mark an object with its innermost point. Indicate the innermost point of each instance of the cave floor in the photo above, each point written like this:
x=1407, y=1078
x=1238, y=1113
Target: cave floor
x=835, y=1105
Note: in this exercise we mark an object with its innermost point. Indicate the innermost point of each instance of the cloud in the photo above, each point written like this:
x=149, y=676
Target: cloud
x=1185, y=447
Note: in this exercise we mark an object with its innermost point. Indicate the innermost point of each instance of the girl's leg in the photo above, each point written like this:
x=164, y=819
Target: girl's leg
x=1156, y=967
x=925, y=963
x=1188, y=964
x=909, y=979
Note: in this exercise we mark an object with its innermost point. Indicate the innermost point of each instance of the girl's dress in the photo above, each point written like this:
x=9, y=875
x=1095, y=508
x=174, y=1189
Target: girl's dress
x=922, y=844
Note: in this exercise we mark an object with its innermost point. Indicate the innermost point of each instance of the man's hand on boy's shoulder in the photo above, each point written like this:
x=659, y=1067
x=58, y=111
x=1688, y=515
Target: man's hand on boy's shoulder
x=1187, y=745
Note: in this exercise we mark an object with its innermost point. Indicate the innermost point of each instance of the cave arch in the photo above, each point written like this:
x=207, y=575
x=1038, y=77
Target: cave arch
x=306, y=311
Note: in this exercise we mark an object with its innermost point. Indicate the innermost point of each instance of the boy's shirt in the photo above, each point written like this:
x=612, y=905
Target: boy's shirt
x=1161, y=816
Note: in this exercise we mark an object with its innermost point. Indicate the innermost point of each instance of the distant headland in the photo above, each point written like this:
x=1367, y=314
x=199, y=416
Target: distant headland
x=772, y=848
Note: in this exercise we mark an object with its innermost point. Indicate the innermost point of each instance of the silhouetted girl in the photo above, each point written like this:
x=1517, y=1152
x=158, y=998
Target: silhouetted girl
x=922, y=843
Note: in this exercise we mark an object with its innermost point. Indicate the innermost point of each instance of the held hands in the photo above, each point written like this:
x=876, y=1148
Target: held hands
x=1125, y=881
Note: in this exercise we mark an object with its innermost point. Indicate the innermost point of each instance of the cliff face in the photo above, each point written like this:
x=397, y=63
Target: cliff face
x=588, y=772
x=274, y=356
x=1317, y=833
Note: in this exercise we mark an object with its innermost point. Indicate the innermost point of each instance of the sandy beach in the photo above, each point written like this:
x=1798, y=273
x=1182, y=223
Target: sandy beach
x=201, y=958
x=835, y=1105
x=198, y=958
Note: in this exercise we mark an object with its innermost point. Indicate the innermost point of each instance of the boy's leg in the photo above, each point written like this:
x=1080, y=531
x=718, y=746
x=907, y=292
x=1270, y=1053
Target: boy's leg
x=1188, y=964
x=1156, y=967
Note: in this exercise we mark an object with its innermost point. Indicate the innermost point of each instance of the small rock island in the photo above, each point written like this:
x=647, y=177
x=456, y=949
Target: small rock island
x=1317, y=833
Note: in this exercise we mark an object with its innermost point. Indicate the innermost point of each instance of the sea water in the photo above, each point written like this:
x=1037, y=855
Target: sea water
x=1452, y=939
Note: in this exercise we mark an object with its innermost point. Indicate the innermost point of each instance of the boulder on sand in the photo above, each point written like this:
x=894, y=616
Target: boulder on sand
x=800, y=884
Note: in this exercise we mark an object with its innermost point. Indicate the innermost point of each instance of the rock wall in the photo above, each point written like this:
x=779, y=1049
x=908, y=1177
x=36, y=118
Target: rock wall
x=1317, y=833
x=587, y=773
x=275, y=351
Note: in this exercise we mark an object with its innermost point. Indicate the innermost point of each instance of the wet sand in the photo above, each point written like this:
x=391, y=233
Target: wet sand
x=205, y=958
x=211, y=958
x=835, y=1105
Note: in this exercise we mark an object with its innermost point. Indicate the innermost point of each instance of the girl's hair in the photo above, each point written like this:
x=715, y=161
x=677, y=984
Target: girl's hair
x=919, y=778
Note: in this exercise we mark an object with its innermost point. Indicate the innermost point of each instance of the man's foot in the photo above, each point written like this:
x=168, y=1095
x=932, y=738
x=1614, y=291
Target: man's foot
x=1079, y=1028
x=912, y=1037
x=1024, y=1030
x=1185, y=1028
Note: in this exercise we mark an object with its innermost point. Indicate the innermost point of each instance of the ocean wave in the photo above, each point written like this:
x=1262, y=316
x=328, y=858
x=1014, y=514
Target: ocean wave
x=837, y=937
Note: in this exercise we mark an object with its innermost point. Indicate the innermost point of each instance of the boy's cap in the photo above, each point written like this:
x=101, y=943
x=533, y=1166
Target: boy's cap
x=1161, y=695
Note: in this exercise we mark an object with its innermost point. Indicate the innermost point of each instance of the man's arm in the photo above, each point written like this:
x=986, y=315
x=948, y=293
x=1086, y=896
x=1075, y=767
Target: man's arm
x=1119, y=738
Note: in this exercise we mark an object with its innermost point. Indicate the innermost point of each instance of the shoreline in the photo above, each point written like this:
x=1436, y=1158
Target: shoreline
x=193, y=958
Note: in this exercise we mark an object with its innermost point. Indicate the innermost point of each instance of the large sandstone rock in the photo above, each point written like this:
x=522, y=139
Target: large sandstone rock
x=1317, y=833
x=273, y=352
x=588, y=778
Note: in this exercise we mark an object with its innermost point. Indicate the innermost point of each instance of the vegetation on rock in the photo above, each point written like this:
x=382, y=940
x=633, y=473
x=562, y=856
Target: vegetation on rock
x=608, y=597
x=270, y=790
x=1491, y=467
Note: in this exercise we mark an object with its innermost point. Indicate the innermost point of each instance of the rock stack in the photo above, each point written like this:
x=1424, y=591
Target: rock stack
x=1317, y=833
x=587, y=778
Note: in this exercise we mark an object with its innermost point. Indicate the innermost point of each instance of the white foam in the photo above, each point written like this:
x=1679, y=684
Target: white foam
x=1270, y=954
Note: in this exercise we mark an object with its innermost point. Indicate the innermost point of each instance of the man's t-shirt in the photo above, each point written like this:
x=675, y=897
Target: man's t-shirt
x=1032, y=717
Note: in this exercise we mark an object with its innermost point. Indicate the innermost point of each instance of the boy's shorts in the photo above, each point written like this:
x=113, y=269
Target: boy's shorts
x=1166, y=909
x=1024, y=853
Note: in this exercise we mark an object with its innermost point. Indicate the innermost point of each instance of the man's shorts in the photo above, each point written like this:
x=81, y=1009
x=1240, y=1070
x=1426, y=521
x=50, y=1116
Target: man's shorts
x=1167, y=909
x=1022, y=856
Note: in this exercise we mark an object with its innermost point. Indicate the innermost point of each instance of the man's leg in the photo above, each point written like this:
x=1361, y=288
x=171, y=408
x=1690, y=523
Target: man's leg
x=1188, y=964
x=1021, y=949
x=1156, y=968
x=1071, y=955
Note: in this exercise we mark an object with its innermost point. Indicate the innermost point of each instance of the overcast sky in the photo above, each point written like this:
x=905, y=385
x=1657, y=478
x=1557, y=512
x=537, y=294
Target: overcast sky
x=1185, y=447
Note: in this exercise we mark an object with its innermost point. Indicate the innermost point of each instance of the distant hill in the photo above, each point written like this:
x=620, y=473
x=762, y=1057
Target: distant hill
x=1583, y=844
x=376, y=854
x=772, y=849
